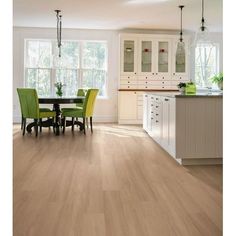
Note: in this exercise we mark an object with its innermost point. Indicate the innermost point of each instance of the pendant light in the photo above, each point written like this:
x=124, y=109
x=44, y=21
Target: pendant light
x=181, y=45
x=59, y=24
x=202, y=35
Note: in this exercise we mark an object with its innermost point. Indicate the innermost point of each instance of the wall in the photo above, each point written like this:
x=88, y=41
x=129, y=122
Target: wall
x=106, y=109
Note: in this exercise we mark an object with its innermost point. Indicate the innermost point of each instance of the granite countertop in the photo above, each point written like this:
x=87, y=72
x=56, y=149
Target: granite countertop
x=198, y=94
x=181, y=95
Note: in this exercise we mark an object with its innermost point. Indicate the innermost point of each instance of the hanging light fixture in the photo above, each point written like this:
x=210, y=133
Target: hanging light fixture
x=59, y=16
x=202, y=35
x=181, y=44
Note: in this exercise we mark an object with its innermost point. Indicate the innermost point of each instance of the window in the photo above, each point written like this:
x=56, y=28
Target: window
x=206, y=64
x=83, y=64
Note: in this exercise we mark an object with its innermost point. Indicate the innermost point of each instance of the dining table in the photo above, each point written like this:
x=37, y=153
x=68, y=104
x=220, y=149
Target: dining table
x=56, y=101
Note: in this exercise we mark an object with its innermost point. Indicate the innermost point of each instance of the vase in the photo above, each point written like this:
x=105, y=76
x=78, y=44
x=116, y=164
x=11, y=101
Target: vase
x=220, y=85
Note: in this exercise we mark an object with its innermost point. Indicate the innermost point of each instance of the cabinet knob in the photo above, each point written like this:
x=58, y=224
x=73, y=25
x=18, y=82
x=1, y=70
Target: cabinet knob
x=134, y=92
x=157, y=121
x=173, y=73
x=128, y=82
x=163, y=82
x=163, y=77
x=146, y=82
x=128, y=86
x=135, y=73
x=156, y=106
x=157, y=114
x=145, y=86
x=153, y=73
x=166, y=99
x=180, y=77
x=156, y=73
x=151, y=111
x=163, y=87
x=152, y=118
x=151, y=105
x=128, y=77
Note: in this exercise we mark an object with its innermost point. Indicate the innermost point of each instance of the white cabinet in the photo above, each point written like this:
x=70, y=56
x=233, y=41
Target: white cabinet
x=130, y=107
x=188, y=128
x=151, y=63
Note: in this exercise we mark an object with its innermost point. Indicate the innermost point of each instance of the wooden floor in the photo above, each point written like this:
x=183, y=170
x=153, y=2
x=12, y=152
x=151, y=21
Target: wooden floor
x=116, y=182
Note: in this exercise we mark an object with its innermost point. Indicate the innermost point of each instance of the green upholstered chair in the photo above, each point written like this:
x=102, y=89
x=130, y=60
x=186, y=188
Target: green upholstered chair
x=30, y=108
x=82, y=112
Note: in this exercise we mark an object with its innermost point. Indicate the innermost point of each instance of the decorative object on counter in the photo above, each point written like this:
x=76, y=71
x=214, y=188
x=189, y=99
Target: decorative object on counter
x=59, y=86
x=190, y=88
x=59, y=23
x=181, y=86
x=218, y=79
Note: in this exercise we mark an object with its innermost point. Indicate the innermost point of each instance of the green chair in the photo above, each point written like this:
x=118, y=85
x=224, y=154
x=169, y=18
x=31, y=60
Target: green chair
x=81, y=92
x=82, y=112
x=30, y=108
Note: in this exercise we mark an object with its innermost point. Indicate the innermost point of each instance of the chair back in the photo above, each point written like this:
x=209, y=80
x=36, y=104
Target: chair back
x=81, y=92
x=89, y=102
x=28, y=102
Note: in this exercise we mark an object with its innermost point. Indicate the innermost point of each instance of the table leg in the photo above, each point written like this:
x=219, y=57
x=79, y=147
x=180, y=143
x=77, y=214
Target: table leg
x=56, y=108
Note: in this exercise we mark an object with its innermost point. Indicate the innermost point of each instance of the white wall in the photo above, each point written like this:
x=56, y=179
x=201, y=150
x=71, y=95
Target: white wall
x=106, y=109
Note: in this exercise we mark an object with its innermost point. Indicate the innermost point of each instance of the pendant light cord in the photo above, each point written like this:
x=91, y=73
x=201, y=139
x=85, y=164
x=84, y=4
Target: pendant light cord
x=203, y=20
x=181, y=32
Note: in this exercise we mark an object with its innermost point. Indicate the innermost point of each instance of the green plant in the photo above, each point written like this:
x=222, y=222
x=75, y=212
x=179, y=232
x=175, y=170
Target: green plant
x=181, y=85
x=59, y=87
x=217, y=78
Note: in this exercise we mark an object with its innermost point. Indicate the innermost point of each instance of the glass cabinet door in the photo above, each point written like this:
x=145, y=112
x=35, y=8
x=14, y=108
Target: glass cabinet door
x=129, y=56
x=180, y=58
x=163, y=57
x=146, y=56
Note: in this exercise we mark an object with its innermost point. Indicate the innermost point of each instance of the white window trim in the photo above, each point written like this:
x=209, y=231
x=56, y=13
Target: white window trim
x=79, y=79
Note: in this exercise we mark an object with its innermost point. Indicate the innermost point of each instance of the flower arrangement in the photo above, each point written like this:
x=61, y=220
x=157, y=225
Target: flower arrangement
x=181, y=85
x=59, y=87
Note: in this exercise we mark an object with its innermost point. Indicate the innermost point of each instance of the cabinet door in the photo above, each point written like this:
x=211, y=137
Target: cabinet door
x=163, y=58
x=128, y=56
x=168, y=125
x=145, y=111
x=180, y=59
x=165, y=122
x=145, y=57
x=128, y=105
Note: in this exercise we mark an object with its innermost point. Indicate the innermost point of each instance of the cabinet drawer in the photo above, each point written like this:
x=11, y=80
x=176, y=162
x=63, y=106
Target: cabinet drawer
x=153, y=82
x=124, y=86
x=128, y=82
x=180, y=78
x=128, y=78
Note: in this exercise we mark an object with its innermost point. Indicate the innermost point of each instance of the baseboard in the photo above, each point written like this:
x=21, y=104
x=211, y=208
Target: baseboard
x=202, y=161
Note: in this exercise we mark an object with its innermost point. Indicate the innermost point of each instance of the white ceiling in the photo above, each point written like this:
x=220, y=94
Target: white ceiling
x=118, y=14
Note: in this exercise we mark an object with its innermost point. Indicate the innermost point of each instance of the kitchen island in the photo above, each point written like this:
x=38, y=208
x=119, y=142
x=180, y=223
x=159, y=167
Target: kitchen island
x=188, y=127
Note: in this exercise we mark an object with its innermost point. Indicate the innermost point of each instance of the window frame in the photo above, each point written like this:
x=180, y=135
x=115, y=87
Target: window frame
x=217, y=67
x=79, y=69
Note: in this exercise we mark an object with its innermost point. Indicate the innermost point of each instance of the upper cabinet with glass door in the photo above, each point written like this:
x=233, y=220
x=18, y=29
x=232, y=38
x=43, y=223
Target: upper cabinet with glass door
x=163, y=57
x=128, y=56
x=146, y=57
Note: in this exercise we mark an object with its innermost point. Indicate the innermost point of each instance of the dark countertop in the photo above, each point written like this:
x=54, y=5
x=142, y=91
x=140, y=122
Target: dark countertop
x=197, y=95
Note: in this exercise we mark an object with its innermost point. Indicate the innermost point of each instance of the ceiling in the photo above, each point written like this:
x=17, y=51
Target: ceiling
x=118, y=14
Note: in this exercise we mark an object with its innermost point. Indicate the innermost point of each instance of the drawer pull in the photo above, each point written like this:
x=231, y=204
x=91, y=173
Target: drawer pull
x=157, y=121
x=157, y=114
x=166, y=99
x=128, y=77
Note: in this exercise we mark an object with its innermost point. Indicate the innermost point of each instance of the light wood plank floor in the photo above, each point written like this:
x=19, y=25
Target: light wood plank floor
x=116, y=182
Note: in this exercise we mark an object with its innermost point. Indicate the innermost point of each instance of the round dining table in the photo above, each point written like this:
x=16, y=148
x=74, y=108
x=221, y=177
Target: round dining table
x=56, y=102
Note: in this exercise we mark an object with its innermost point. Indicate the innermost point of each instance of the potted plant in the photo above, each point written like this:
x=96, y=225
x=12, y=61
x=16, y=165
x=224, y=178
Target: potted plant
x=59, y=87
x=181, y=86
x=218, y=79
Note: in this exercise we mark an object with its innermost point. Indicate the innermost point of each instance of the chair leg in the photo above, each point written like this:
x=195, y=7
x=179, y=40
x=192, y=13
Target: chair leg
x=36, y=127
x=23, y=125
x=22, y=122
x=87, y=122
x=73, y=122
x=91, y=123
x=84, y=125
x=40, y=125
x=64, y=125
